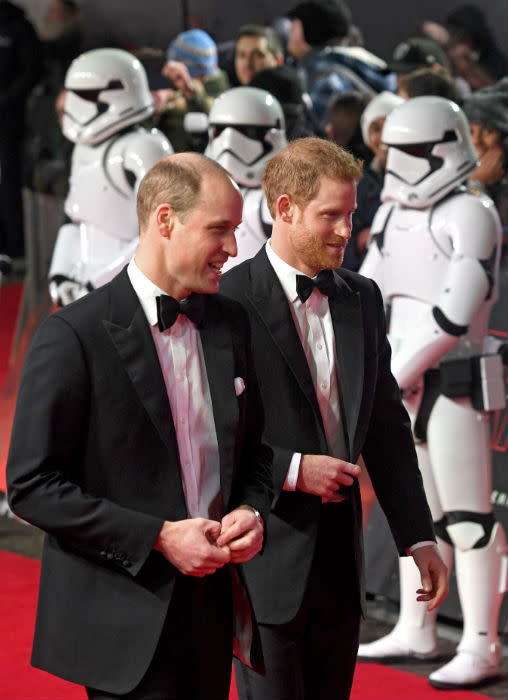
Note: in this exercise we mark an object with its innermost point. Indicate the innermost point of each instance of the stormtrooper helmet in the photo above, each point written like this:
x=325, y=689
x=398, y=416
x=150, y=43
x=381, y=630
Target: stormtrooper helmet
x=107, y=90
x=246, y=128
x=430, y=151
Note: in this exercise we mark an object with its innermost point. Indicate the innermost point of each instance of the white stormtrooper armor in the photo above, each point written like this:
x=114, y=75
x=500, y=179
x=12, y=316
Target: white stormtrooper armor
x=107, y=94
x=255, y=229
x=246, y=128
x=434, y=252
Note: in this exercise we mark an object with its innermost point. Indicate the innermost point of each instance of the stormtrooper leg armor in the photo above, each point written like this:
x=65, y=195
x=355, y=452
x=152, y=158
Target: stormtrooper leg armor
x=481, y=580
x=479, y=543
x=414, y=635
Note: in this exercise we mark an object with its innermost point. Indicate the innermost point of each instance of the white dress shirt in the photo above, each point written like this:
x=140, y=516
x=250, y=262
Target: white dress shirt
x=181, y=358
x=313, y=322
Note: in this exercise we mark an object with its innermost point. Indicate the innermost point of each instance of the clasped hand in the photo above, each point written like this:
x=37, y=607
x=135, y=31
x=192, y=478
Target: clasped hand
x=198, y=546
x=324, y=476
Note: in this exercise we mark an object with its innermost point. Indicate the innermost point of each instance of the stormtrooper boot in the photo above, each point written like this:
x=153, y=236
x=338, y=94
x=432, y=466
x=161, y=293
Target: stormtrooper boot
x=414, y=635
x=481, y=580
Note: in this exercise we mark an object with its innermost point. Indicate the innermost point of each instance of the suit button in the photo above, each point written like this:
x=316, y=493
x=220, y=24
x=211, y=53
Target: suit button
x=127, y=563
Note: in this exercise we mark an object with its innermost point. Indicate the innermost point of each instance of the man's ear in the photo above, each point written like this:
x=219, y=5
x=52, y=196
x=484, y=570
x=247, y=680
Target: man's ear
x=284, y=208
x=165, y=219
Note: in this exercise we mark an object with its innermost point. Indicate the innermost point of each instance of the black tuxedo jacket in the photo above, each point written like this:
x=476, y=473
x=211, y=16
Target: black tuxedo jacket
x=376, y=425
x=94, y=462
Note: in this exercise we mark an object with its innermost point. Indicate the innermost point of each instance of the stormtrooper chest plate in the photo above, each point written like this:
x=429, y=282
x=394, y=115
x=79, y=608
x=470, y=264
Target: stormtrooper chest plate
x=99, y=193
x=415, y=259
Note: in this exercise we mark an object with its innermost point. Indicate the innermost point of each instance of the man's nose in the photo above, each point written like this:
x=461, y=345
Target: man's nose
x=344, y=230
x=230, y=246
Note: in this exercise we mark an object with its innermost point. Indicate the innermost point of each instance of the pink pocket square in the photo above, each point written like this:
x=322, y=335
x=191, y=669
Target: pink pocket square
x=239, y=385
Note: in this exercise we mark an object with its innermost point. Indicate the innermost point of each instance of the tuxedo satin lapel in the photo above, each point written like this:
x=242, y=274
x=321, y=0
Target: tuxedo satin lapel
x=349, y=340
x=137, y=351
x=270, y=302
x=217, y=343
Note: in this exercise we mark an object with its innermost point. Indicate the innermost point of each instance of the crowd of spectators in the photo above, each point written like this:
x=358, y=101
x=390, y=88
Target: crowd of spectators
x=312, y=61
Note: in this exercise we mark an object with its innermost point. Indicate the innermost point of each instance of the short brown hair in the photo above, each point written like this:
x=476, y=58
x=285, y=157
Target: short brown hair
x=297, y=170
x=175, y=180
x=273, y=43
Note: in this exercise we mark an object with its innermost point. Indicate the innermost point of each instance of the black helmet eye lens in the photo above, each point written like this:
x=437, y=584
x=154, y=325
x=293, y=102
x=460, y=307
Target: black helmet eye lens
x=88, y=95
x=417, y=150
x=424, y=149
x=256, y=133
x=92, y=95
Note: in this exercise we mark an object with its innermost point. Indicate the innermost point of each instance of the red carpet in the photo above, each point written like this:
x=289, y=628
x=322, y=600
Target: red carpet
x=19, y=681
x=10, y=299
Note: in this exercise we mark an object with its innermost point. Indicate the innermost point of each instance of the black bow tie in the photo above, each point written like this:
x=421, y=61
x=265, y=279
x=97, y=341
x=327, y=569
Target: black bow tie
x=168, y=309
x=324, y=282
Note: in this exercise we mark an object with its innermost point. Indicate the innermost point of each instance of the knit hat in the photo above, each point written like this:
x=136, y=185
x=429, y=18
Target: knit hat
x=322, y=20
x=197, y=50
x=380, y=106
x=414, y=53
x=489, y=106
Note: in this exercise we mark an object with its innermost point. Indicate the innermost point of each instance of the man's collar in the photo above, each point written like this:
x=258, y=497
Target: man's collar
x=146, y=291
x=286, y=273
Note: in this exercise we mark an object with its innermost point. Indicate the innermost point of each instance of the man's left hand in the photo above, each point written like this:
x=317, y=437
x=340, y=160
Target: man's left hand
x=434, y=575
x=242, y=532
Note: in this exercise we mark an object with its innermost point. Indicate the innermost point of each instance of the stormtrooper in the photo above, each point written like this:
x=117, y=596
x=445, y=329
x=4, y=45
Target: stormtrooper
x=434, y=252
x=107, y=94
x=246, y=128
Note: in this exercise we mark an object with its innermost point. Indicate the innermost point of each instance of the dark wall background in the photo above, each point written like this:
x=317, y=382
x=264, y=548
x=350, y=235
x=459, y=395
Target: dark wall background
x=384, y=23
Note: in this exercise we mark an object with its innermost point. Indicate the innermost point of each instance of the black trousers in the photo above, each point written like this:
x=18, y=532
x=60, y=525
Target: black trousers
x=193, y=657
x=313, y=656
x=12, y=238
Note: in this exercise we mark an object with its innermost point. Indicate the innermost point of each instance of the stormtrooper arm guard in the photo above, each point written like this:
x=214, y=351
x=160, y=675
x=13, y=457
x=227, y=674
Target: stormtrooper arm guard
x=466, y=286
x=64, y=283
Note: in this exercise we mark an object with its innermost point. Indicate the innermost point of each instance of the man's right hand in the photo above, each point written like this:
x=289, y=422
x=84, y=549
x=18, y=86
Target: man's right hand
x=190, y=545
x=323, y=476
x=491, y=168
x=178, y=73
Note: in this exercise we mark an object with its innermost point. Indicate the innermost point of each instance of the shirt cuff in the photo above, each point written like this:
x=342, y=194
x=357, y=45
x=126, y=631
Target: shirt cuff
x=293, y=471
x=414, y=547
